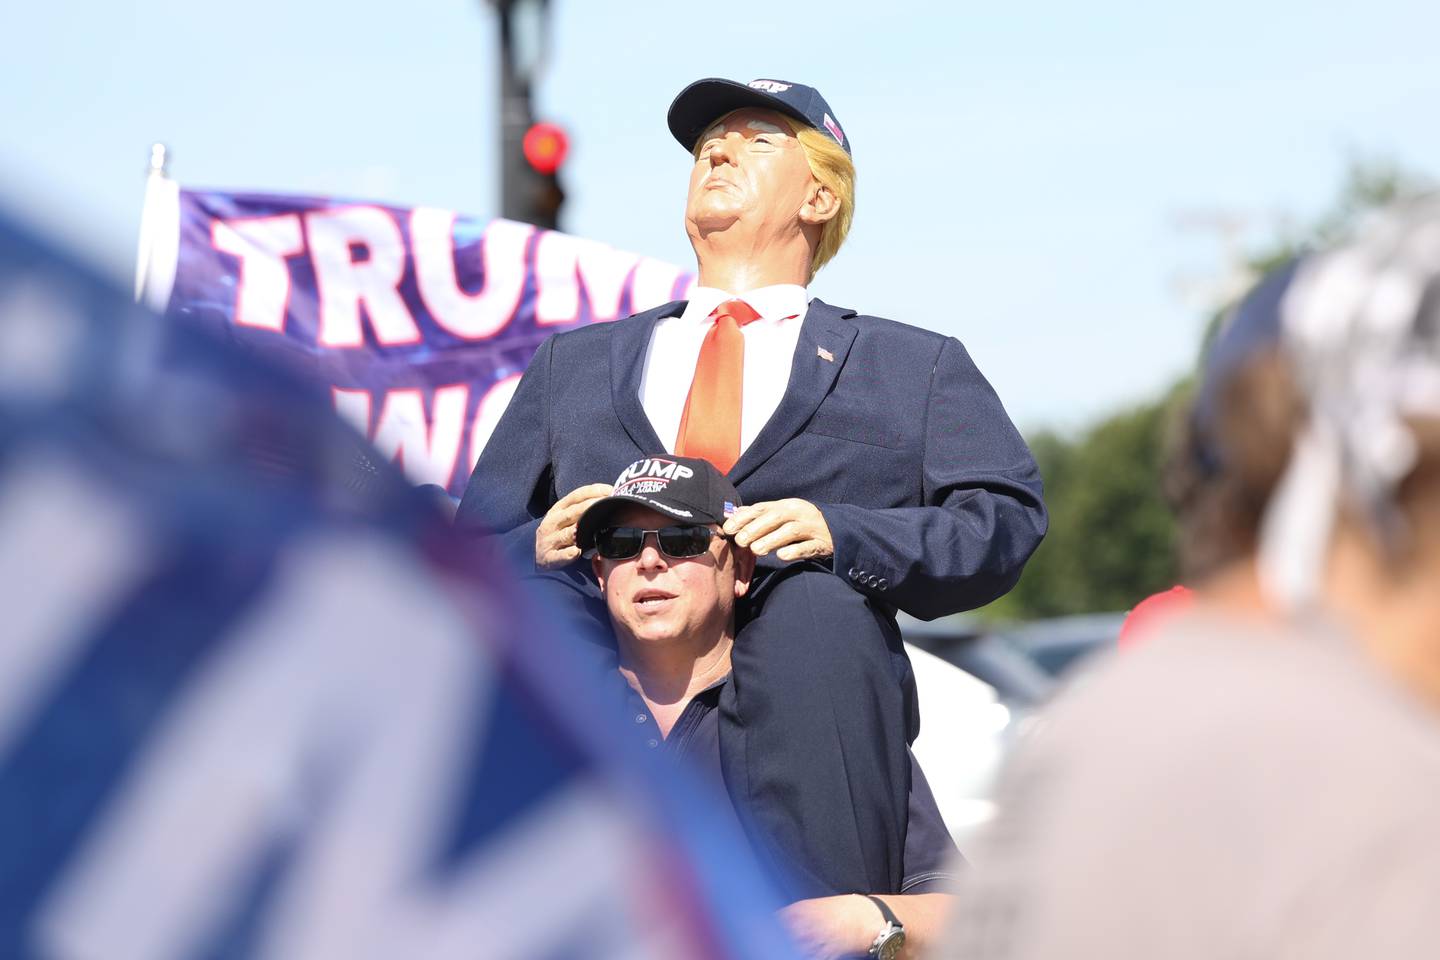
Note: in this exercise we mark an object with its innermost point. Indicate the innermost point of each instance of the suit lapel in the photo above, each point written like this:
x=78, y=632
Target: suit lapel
x=629, y=342
x=825, y=333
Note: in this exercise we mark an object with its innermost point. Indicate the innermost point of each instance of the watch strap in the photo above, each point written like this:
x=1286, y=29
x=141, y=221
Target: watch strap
x=885, y=910
x=891, y=936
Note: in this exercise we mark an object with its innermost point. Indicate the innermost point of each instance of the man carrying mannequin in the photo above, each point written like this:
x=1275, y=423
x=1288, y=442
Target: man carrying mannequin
x=671, y=581
x=863, y=446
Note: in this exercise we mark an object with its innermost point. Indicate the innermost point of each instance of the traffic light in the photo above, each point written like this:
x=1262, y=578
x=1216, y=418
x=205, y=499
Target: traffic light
x=535, y=195
x=545, y=145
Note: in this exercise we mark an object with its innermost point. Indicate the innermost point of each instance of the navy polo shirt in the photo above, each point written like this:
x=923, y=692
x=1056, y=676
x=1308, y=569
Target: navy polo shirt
x=930, y=852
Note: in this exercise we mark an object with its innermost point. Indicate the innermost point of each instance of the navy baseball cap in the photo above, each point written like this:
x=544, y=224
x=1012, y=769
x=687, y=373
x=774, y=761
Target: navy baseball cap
x=687, y=488
x=705, y=101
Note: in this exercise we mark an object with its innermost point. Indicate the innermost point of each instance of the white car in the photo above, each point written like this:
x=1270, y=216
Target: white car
x=962, y=738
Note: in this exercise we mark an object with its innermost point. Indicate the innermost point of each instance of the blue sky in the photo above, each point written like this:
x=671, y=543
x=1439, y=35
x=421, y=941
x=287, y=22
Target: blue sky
x=1024, y=175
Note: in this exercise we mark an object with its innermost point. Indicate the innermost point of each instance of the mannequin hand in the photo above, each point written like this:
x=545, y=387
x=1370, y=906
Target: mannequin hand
x=792, y=529
x=555, y=537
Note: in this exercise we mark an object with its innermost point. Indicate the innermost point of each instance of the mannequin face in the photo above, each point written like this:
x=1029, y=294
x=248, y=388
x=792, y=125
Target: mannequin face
x=751, y=172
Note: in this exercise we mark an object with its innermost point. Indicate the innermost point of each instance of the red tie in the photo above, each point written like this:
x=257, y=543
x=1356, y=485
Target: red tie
x=710, y=425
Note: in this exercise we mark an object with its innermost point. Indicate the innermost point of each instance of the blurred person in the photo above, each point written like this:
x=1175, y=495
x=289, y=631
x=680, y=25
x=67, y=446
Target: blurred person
x=879, y=468
x=1260, y=780
x=671, y=579
x=257, y=701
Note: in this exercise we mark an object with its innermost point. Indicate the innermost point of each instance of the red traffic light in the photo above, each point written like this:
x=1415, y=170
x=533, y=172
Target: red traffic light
x=545, y=146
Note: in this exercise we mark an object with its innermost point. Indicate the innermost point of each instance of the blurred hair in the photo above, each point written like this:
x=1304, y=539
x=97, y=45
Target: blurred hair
x=833, y=168
x=1419, y=493
x=1219, y=476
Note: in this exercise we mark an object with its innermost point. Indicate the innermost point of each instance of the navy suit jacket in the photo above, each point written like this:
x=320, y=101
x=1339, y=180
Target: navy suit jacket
x=932, y=498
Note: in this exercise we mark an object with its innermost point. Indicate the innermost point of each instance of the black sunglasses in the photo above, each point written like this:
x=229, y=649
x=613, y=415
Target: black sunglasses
x=677, y=543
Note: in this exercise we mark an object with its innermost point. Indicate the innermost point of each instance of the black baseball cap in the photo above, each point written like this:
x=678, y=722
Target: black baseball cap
x=686, y=488
x=705, y=101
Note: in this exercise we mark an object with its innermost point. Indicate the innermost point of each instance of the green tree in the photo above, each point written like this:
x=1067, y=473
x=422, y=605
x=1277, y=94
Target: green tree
x=1111, y=536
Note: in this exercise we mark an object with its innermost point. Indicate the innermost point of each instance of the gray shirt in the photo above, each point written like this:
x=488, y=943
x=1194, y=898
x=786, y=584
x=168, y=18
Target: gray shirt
x=1227, y=791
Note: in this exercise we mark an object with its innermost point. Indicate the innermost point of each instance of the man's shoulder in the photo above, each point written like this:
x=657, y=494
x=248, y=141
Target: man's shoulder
x=592, y=334
x=875, y=326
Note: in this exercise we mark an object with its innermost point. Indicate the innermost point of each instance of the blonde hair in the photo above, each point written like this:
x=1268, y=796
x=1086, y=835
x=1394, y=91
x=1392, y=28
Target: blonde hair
x=833, y=168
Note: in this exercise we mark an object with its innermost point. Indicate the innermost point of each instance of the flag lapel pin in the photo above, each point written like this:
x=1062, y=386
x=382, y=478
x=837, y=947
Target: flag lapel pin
x=825, y=355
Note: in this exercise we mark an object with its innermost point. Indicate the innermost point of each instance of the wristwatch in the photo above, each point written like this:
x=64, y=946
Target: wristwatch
x=891, y=936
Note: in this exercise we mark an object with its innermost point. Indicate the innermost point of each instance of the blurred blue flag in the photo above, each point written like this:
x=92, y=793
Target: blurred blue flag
x=256, y=701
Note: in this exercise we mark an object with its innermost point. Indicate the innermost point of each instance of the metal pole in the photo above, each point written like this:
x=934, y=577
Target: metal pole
x=514, y=110
x=523, y=38
x=515, y=118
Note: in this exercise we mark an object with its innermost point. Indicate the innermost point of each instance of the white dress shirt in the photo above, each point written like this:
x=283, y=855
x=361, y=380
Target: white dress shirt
x=769, y=351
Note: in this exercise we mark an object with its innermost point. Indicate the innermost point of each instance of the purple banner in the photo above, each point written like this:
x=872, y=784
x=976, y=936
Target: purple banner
x=419, y=321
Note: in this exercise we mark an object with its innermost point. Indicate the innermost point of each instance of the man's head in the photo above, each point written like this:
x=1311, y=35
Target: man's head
x=656, y=598
x=1318, y=414
x=667, y=572
x=770, y=156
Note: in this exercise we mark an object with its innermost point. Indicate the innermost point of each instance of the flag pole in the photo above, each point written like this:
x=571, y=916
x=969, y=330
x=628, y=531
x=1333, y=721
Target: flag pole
x=159, y=246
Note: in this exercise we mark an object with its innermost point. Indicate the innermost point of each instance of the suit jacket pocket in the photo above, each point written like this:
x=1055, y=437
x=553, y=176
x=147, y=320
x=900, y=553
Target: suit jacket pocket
x=876, y=428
